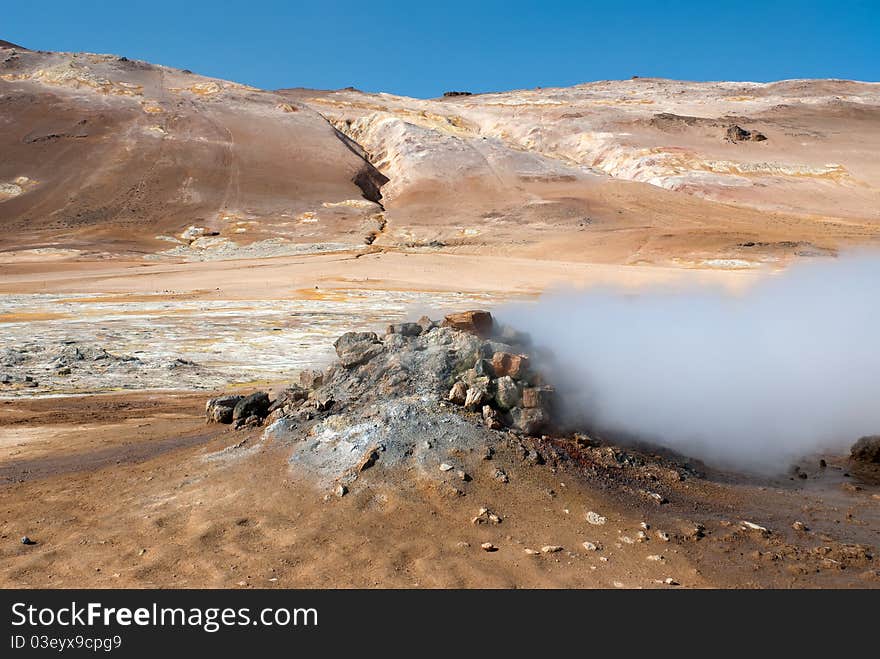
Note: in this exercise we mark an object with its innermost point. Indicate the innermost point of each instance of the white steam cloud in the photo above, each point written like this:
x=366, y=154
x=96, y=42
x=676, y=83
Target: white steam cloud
x=752, y=381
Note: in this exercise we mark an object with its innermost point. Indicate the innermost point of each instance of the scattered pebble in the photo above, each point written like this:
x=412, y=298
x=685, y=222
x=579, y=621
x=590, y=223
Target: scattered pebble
x=627, y=540
x=800, y=526
x=641, y=536
x=663, y=536
x=485, y=515
x=590, y=546
x=655, y=557
x=644, y=526
x=463, y=475
x=532, y=552
x=27, y=541
x=595, y=518
x=550, y=549
x=446, y=467
x=488, y=546
x=340, y=490
x=669, y=581
x=751, y=526
x=499, y=475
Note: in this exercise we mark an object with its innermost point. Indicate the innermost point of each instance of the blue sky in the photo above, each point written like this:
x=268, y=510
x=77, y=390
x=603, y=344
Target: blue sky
x=425, y=48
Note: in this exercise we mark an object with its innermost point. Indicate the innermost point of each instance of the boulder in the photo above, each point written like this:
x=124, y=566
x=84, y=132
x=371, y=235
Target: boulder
x=537, y=397
x=474, y=322
x=310, y=379
x=505, y=363
x=483, y=368
x=867, y=449
x=427, y=324
x=255, y=405
x=458, y=393
x=405, y=329
x=356, y=348
x=491, y=418
x=290, y=396
x=529, y=420
x=220, y=410
x=477, y=395
x=506, y=393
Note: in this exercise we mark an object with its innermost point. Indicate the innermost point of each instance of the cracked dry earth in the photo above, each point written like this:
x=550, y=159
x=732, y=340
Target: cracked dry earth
x=370, y=476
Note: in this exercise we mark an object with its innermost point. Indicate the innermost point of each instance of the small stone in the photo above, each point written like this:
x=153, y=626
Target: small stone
x=669, y=581
x=142, y=552
x=641, y=536
x=644, y=525
x=445, y=466
x=488, y=452
x=495, y=519
x=655, y=557
x=27, y=541
x=532, y=552
x=499, y=475
x=751, y=526
x=488, y=546
x=340, y=490
x=590, y=546
x=595, y=518
x=462, y=544
x=550, y=549
x=800, y=526
x=662, y=536
x=458, y=393
x=476, y=396
x=463, y=475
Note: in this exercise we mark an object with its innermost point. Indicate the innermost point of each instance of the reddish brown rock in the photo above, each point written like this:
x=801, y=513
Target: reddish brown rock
x=505, y=363
x=475, y=322
x=458, y=393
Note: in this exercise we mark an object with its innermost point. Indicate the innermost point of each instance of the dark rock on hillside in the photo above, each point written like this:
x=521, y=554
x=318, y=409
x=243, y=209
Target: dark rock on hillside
x=255, y=405
x=867, y=449
x=738, y=134
x=220, y=410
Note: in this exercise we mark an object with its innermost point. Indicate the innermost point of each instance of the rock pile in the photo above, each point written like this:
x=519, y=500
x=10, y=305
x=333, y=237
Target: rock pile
x=466, y=360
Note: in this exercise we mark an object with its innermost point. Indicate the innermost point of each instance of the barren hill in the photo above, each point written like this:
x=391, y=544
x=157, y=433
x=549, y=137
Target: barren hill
x=102, y=153
x=107, y=155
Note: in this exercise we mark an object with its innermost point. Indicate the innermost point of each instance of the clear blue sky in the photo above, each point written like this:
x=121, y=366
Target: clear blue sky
x=425, y=48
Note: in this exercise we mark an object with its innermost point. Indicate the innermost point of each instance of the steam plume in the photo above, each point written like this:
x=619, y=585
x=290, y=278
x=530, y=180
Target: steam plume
x=751, y=381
